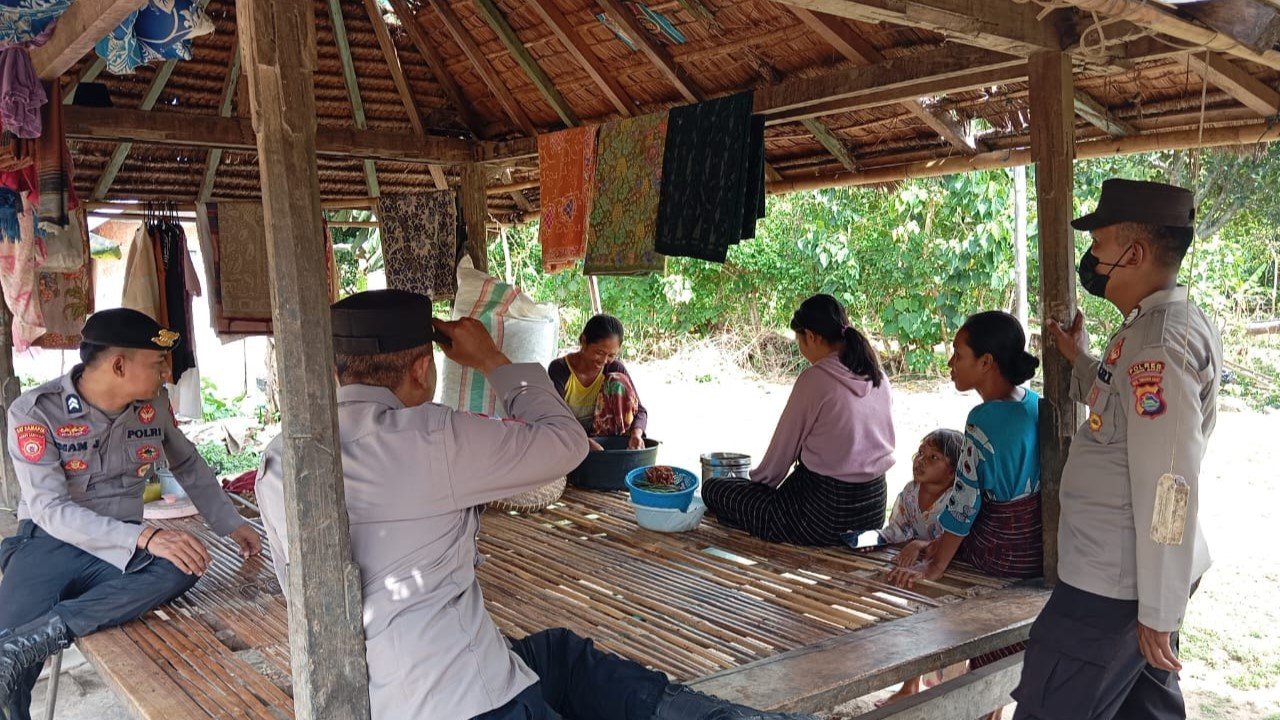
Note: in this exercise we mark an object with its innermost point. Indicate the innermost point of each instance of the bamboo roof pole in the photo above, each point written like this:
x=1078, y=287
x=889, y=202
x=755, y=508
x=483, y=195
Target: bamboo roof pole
x=1156, y=17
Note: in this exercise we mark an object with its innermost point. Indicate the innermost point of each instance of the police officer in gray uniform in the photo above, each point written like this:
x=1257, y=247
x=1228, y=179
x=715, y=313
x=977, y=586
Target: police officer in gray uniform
x=1129, y=542
x=83, y=446
x=417, y=475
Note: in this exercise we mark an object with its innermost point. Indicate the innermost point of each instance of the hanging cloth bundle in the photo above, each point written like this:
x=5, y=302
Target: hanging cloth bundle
x=169, y=244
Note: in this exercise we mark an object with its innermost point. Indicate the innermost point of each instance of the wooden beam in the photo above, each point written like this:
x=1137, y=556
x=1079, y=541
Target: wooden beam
x=855, y=48
x=353, y=87
x=392, y=58
x=1236, y=82
x=1053, y=149
x=1252, y=23
x=657, y=54
x=121, y=152
x=439, y=71
x=326, y=632
x=83, y=24
x=197, y=131
x=971, y=695
x=833, y=144
x=580, y=48
x=1006, y=27
x=224, y=110
x=492, y=15
x=834, y=671
x=789, y=99
x=1100, y=117
x=482, y=66
x=475, y=214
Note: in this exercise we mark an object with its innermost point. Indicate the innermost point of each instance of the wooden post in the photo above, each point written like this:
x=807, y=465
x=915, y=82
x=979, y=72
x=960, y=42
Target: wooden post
x=1053, y=149
x=475, y=213
x=593, y=289
x=326, y=635
x=1020, y=243
x=10, y=389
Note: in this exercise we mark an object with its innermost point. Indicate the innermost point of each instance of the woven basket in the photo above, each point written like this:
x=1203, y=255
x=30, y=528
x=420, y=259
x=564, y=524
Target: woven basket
x=532, y=500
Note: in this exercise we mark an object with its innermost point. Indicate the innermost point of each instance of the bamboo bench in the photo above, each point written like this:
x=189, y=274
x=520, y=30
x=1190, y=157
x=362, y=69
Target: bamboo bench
x=776, y=626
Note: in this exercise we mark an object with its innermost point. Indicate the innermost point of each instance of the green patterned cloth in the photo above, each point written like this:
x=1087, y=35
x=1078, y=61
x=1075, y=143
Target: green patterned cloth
x=624, y=211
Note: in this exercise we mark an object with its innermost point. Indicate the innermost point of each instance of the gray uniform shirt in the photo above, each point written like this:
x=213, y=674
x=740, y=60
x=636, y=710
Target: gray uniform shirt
x=82, y=473
x=1152, y=406
x=414, y=478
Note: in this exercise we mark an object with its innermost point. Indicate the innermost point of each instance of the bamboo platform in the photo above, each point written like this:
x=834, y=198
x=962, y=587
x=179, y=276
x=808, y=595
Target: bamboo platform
x=690, y=605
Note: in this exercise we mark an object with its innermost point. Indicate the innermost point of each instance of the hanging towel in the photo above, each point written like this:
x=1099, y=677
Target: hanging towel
x=29, y=22
x=172, y=244
x=18, y=261
x=53, y=163
x=21, y=93
x=66, y=298
x=624, y=206
x=142, y=276
x=704, y=183
x=567, y=166
x=419, y=236
x=161, y=30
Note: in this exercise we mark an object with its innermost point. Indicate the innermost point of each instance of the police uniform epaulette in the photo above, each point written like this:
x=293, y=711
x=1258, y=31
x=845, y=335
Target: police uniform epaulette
x=26, y=402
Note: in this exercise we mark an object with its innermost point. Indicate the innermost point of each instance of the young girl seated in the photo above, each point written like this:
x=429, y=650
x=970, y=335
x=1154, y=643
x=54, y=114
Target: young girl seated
x=836, y=431
x=917, y=510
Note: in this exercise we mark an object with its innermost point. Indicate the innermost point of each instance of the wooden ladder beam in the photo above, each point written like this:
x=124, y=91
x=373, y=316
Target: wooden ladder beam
x=224, y=110
x=507, y=34
x=1100, y=117
x=1239, y=84
x=435, y=63
x=79, y=28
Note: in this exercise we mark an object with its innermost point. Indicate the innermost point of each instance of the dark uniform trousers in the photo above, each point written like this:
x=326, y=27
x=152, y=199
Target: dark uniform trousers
x=579, y=682
x=1083, y=663
x=43, y=574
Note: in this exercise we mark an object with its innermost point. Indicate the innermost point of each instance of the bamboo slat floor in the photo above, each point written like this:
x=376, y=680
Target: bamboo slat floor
x=689, y=604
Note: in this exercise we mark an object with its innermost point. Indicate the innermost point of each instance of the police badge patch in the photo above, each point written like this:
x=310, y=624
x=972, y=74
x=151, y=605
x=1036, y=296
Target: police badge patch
x=146, y=414
x=33, y=439
x=1147, y=379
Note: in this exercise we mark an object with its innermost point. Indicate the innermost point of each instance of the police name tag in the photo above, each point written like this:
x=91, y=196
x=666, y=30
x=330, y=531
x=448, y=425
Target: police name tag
x=1170, y=517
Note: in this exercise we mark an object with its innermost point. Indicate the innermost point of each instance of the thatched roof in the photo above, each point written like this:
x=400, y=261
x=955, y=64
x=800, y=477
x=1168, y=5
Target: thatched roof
x=1138, y=80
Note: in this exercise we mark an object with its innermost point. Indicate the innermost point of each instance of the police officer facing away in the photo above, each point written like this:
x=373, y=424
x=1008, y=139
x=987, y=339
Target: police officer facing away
x=1129, y=542
x=83, y=446
x=416, y=476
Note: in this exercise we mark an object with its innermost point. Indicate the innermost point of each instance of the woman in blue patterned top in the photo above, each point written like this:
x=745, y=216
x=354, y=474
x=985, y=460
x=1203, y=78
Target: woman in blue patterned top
x=992, y=519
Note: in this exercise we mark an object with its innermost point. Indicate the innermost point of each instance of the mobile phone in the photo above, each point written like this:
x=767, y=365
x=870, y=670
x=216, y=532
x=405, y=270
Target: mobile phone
x=867, y=540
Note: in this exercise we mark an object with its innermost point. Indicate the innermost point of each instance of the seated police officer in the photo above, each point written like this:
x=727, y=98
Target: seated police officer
x=83, y=446
x=416, y=477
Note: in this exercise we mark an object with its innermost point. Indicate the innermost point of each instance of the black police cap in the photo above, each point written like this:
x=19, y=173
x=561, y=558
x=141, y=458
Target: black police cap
x=382, y=321
x=127, y=328
x=1139, y=201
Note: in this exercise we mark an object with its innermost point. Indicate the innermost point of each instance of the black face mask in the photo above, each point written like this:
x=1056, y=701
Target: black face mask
x=1094, y=282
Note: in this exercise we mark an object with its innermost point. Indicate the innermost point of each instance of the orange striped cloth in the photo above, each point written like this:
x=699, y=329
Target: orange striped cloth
x=567, y=166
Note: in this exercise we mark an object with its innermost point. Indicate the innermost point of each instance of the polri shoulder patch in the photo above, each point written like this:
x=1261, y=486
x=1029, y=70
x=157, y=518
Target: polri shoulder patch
x=1146, y=377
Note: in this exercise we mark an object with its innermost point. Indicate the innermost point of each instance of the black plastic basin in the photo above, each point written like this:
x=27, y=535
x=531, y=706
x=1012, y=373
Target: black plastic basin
x=607, y=469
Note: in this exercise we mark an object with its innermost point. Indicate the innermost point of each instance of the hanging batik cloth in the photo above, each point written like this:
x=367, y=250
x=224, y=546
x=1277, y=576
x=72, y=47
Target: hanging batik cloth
x=53, y=164
x=706, y=192
x=162, y=30
x=566, y=166
x=66, y=295
x=419, y=241
x=624, y=205
x=18, y=263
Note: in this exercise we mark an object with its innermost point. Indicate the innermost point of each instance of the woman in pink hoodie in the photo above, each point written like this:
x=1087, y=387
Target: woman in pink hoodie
x=837, y=432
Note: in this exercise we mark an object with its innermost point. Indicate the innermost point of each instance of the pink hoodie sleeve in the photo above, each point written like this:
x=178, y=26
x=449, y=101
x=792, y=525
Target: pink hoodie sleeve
x=797, y=419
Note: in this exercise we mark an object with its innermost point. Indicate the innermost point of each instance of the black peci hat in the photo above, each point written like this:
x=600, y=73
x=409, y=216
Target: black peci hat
x=127, y=328
x=382, y=321
x=1138, y=201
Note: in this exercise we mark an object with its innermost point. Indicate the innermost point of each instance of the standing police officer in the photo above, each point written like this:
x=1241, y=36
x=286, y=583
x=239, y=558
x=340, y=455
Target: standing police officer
x=416, y=476
x=83, y=446
x=1129, y=543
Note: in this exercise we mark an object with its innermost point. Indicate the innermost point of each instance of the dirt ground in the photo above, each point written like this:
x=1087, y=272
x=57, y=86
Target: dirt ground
x=1231, y=645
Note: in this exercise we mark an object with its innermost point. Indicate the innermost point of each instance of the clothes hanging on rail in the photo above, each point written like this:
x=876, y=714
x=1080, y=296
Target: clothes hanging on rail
x=566, y=167
x=709, y=198
x=419, y=241
x=624, y=206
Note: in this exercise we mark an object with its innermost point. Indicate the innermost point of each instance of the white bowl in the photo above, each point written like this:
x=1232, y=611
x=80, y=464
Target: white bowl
x=670, y=519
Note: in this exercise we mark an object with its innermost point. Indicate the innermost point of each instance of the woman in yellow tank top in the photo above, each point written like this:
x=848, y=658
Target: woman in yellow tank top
x=597, y=387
